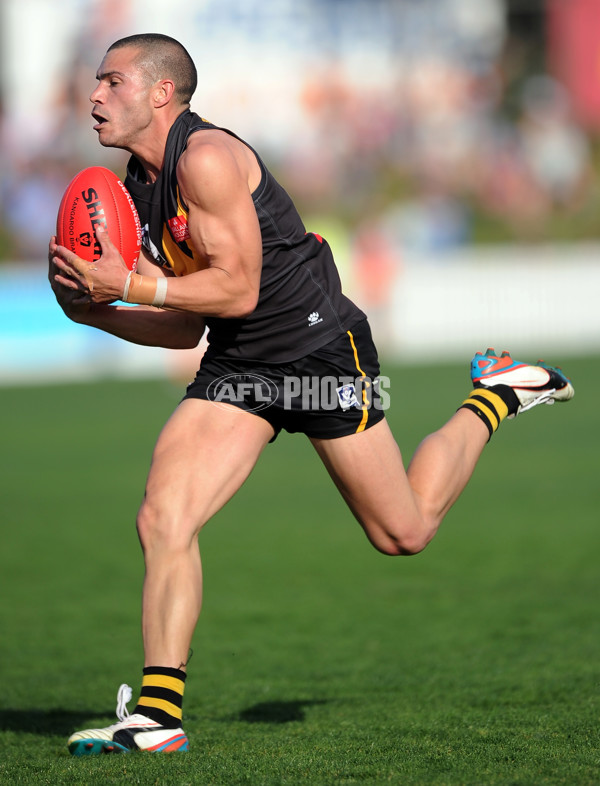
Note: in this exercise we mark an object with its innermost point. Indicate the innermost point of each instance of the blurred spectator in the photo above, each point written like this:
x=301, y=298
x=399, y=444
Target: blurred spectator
x=507, y=189
x=556, y=150
x=393, y=109
x=376, y=265
x=432, y=223
x=31, y=194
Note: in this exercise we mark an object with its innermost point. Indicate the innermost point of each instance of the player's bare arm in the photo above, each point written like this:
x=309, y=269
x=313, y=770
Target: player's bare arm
x=147, y=325
x=216, y=175
x=144, y=325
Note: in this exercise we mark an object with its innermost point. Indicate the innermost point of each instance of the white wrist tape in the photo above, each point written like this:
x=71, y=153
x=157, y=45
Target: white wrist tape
x=126, y=287
x=161, y=292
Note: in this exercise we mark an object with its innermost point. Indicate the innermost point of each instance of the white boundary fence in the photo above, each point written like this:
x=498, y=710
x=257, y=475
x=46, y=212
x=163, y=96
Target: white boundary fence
x=525, y=299
x=541, y=302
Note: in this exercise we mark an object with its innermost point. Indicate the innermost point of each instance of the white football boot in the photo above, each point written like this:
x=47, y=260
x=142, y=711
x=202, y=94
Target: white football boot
x=131, y=733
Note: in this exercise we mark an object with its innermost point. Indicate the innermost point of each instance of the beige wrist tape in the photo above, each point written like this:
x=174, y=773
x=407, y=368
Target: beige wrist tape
x=145, y=290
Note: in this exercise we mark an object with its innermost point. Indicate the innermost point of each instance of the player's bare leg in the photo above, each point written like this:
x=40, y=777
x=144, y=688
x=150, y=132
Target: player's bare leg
x=401, y=510
x=201, y=459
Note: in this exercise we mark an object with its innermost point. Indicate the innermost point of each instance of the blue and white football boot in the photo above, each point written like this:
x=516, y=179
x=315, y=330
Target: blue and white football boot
x=533, y=385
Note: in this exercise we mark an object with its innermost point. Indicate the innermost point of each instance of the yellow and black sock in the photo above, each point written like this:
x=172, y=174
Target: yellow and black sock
x=492, y=405
x=161, y=697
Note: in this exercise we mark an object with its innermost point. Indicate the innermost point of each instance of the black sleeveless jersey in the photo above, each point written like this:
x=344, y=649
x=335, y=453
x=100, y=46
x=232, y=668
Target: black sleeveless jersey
x=300, y=305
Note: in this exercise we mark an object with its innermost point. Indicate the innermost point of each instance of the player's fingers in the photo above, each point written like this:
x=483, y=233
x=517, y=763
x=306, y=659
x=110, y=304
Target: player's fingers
x=70, y=283
x=82, y=300
x=67, y=260
x=66, y=269
x=80, y=265
x=103, y=238
x=76, y=268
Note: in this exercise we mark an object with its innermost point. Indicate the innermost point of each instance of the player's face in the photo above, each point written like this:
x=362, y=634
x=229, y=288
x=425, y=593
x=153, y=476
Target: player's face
x=122, y=106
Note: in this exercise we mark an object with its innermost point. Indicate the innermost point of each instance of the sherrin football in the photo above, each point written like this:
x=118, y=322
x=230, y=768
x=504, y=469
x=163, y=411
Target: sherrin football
x=97, y=196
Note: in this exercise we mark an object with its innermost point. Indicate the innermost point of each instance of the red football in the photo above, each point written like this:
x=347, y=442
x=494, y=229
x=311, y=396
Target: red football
x=97, y=196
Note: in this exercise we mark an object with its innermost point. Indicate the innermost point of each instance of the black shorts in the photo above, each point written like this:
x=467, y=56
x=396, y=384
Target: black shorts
x=330, y=393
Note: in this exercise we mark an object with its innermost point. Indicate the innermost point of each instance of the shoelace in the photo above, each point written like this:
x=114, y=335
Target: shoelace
x=543, y=398
x=123, y=696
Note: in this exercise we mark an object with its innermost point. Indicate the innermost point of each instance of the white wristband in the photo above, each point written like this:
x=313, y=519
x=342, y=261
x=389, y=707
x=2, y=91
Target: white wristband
x=161, y=292
x=126, y=287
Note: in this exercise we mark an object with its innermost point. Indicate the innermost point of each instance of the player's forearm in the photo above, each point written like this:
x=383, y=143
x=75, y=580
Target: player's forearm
x=146, y=325
x=213, y=292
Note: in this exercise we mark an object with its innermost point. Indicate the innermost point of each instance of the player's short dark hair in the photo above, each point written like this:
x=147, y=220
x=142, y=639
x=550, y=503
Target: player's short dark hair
x=163, y=57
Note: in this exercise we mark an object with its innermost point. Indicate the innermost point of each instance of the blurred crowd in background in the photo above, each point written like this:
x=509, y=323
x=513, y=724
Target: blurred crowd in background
x=406, y=126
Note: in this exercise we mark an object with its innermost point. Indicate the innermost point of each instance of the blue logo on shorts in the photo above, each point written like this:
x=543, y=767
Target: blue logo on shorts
x=347, y=396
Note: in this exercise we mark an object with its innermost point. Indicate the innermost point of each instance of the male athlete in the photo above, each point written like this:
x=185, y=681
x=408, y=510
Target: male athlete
x=225, y=248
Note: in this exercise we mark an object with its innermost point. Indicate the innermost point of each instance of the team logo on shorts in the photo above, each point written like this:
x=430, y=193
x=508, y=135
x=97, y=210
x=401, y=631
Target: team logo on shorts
x=347, y=396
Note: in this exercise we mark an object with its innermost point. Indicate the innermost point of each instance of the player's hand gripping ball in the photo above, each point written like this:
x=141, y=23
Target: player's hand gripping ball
x=97, y=196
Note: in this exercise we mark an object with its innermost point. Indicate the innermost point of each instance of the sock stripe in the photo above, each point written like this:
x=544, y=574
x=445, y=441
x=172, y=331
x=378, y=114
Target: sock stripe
x=163, y=681
x=489, y=407
x=480, y=415
x=161, y=693
x=493, y=398
x=161, y=704
x=484, y=410
x=166, y=671
x=161, y=696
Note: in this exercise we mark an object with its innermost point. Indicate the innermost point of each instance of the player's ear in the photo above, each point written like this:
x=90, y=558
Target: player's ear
x=163, y=92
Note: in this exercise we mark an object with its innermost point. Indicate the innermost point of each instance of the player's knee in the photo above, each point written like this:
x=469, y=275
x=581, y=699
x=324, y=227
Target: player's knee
x=147, y=524
x=399, y=539
x=405, y=547
x=393, y=546
x=158, y=531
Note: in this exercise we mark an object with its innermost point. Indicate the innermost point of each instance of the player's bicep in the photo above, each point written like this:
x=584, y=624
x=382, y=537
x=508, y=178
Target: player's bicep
x=229, y=240
x=222, y=217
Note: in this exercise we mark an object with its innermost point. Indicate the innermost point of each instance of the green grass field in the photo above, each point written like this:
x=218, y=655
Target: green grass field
x=317, y=659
